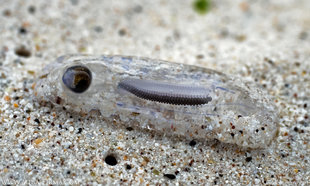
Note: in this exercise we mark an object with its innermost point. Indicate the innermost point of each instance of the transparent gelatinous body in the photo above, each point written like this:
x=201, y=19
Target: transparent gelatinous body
x=173, y=98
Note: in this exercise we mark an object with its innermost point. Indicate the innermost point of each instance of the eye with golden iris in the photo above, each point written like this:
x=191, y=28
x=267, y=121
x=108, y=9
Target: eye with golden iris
x=77, y=78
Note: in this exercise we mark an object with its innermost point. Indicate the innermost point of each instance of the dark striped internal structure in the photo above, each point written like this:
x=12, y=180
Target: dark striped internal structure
x=166, y=93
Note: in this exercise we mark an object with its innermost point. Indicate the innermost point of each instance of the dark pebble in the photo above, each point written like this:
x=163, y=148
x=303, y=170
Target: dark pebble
x=129, y=128
x=79, y=131
x=22, y=52
x=32, y=9
x=110, y=160
x=192, y=143
x=170, y=176
x=248, y=159
x=22, y=30
x=122, y=32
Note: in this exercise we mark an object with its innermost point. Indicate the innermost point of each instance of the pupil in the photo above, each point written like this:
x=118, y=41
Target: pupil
x=77, y=78
x=82, y=85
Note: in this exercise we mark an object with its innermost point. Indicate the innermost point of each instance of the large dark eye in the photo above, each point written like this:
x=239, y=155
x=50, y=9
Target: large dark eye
x=77, y=78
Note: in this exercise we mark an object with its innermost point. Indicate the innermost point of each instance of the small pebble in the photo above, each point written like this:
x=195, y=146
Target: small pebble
x=31, y=9
x=248, y=159
x=122, y=32
x=71, y=129
x=110, y=160
x=22, y=30
x=192, y=143
x=22, y=52
x=170, y=176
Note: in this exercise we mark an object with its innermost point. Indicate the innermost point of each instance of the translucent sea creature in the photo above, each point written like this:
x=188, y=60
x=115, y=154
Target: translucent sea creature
x=169, y=98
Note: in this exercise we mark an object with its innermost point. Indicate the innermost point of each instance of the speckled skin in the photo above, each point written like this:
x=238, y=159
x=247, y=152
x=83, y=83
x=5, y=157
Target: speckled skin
x=239, y=112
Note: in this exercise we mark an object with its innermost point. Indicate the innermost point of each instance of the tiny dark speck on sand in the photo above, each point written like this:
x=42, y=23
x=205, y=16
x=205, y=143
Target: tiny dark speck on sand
x=170, y=176
x=22, y=52
x=110, y=160
x=248, y=159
